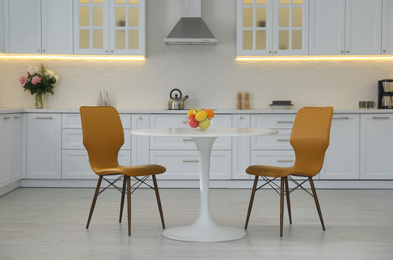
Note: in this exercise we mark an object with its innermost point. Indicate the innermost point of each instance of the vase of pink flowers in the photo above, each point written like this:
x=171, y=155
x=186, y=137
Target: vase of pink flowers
x=39, y=81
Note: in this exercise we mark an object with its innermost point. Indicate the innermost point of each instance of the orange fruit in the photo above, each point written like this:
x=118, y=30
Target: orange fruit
x=210, y=113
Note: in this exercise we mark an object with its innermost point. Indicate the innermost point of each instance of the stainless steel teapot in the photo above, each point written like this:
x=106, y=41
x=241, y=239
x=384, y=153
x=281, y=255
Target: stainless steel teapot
x=177, y=102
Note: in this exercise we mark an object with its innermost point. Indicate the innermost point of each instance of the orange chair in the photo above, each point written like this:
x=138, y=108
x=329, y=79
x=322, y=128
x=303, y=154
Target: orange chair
x=102, y=137
x=309, y=139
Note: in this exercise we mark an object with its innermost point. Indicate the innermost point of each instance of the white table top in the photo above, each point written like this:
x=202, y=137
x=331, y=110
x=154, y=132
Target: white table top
x=210, y=132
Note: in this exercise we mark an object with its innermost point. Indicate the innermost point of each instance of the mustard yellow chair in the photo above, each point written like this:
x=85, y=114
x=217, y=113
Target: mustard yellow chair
x=309, y=139
x=102, y=137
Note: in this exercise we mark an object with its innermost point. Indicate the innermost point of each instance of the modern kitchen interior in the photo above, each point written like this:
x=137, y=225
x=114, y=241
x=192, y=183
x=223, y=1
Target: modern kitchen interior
x=264, y=61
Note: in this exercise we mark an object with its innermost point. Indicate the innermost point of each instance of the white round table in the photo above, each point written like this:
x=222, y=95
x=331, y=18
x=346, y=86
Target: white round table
x=204, y=229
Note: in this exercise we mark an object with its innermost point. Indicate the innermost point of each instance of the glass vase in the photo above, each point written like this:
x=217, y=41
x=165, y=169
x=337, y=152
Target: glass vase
x=38, y=101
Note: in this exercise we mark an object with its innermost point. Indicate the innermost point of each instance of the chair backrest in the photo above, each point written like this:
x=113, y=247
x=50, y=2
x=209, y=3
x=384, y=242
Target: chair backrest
x=103, y=135
x=310, y=138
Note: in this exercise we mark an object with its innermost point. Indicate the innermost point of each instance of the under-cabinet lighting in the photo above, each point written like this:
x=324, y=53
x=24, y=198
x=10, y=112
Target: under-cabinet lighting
x=314, y=58
x=70, y=57
x=275, y=58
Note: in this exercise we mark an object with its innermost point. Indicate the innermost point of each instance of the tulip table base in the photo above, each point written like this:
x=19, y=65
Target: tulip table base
x=204, y=229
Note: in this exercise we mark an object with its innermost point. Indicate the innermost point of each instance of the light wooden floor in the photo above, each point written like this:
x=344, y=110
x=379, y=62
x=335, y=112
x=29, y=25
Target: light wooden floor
x=38, y=223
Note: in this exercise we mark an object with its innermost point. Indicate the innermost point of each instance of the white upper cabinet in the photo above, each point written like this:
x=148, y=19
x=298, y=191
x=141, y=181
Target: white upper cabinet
x=387, y=27
x=363, y=27
x=327, y=27
x=40, y=26
x=2, y=25
x=272, y=27
x=350, y=27
x=115, y=27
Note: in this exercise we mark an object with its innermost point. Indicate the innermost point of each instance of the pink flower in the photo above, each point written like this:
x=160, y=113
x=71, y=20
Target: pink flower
x=22, y=80
x=35, y=80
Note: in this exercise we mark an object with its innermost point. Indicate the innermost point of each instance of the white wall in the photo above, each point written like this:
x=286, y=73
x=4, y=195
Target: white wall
x=210, y=75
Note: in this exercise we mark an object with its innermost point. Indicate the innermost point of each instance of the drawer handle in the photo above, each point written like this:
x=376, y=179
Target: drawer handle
x=380, y=117
x=184, y=122
x=283, y=140
x=285, y=122
x=17, y=117
x=7, y=117
x=190, y=160
x=343, y=117
x=284, y=160
x=188, y=140
x=43, y=117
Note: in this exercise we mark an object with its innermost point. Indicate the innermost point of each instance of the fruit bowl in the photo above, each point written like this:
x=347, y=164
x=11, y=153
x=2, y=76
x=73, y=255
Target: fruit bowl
x=201, y=119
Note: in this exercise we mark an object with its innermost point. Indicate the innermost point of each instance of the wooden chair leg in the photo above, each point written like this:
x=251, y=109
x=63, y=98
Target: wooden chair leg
x=123, y=192
x=288, y=200
x=316, y=202
x=128, y=203
x=282, y=205
x=251, y=201
x=93, y=203
x=158, y=200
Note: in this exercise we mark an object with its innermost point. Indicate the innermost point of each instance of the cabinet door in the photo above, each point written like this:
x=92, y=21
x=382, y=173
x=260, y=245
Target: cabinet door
x=387, y=27
x=11, y=148
x=2, y=25
x=290, y=31
x=254, y=27
x=140, y=144
x=327, y=27
x=376, y=144
x=363, y=27
x=44, y=146
x=241, y=151
x=57, y=34
x=127, y=27
x=25, y=26
x=342, y=155
x=91, y=27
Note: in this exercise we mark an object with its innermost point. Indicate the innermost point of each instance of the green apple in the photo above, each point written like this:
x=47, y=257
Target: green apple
x=204, y=124
x=196, y=111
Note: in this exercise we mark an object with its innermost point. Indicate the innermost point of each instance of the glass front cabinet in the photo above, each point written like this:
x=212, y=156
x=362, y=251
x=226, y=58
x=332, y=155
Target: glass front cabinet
x=272, y=27
x=112, y=27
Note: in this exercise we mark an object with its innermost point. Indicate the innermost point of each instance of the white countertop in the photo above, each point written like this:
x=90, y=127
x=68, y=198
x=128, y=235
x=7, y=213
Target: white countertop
x=217, y=111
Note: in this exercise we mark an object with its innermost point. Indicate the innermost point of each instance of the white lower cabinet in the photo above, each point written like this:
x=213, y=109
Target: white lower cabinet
x=11, y=148
x=179, y=155
x=342, y=155
x=376, y=144
x=140, y=144
x=241, y=148
x=43, y=146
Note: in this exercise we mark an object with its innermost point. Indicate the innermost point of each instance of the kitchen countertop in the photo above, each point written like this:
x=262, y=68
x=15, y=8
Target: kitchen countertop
x=217, y=111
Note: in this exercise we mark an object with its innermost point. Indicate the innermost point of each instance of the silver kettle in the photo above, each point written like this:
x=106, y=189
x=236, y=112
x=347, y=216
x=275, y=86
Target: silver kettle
x=177, y=102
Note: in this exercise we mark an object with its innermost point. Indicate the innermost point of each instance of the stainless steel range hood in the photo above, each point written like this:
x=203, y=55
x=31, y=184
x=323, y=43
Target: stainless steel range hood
x=190, y=29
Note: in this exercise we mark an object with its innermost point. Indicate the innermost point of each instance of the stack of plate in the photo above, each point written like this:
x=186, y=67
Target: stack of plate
x=281, y=104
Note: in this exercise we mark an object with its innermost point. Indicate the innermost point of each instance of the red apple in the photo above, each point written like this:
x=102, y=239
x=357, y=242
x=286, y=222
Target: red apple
x=192, y=122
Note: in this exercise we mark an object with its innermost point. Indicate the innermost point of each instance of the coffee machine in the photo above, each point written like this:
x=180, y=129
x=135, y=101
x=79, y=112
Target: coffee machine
x=385, y=94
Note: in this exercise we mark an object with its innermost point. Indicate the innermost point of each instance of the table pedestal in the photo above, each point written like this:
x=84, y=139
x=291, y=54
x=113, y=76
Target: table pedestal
x=204, y=229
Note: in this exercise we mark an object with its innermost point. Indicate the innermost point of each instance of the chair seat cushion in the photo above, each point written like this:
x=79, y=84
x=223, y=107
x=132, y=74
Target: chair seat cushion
x=139, y=170
x=278, y=172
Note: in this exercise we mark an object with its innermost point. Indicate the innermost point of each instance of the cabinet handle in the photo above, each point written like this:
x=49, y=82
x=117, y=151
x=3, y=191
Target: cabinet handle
x=6, y=117
x=342, y=51
x=38, y=50
x=17, y=117
x=384, y=51
x=43, y=117
x=188, y=140
x=284, y=160
x=111, y=51
x=380, y=117
x=241, y=118
x=343, y=117
x=283, y=140
x=347, y=51
x=190, y=161
x=184, y=122
x=284, y=122
x=140, y=118
x=43, y=50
